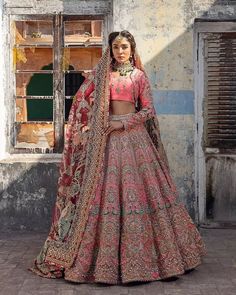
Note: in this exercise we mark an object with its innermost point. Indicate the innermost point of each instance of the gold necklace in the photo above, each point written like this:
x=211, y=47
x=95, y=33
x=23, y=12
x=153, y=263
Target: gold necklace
x=122, y=68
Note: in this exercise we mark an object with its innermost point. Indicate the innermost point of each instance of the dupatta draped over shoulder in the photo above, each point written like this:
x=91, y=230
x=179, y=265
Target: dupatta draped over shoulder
x=82, y=162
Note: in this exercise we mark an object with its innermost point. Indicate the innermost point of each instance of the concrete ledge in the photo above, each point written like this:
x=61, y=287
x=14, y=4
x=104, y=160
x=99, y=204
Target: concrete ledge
x=31, y=158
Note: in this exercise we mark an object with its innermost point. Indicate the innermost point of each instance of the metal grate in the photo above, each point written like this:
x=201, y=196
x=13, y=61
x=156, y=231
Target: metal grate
x=220, y=108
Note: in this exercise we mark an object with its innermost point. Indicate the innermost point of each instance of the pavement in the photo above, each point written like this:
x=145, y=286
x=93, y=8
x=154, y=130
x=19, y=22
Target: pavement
x=215, y=276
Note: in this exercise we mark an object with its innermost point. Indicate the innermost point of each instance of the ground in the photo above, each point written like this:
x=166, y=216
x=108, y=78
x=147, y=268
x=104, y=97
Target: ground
x=215, y=276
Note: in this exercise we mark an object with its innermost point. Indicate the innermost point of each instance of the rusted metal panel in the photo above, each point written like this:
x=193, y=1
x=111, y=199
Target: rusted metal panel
x=220, y=103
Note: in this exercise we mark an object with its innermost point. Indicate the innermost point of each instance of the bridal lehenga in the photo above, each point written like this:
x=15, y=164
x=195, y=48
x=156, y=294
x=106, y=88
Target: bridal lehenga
x=117, y=217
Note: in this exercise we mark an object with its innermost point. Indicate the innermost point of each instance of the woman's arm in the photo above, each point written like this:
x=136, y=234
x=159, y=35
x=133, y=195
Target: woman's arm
x=147, y=109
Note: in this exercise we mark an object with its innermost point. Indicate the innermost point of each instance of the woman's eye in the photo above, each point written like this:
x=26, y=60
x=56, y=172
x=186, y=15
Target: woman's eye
x=123, y=47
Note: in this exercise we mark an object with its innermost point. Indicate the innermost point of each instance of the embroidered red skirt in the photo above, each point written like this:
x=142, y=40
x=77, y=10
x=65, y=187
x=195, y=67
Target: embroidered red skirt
x=136, y=230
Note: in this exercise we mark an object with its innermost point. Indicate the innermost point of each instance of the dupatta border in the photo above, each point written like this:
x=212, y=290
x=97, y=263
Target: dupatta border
x=62, y=253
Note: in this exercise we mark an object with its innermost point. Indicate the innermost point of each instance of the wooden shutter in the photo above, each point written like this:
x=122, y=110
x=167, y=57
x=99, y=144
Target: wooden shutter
x=220, y=90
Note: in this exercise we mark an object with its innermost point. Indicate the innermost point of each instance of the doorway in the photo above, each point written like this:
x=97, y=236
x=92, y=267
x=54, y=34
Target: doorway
x=215, y=118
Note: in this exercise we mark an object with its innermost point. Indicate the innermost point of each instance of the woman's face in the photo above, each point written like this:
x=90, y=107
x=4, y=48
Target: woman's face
x=121, y=49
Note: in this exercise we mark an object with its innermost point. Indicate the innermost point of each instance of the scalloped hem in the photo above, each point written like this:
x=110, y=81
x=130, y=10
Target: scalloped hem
x=137, y=279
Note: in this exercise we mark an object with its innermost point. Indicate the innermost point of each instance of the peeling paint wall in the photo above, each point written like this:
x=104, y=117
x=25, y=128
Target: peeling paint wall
x=28, y=183
x=163, y=30
x=2, y=82
x=56, y=6
x=27, y=194
x=164, y=33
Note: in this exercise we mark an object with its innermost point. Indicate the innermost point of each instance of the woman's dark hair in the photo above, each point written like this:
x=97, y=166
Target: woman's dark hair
x=125, y=34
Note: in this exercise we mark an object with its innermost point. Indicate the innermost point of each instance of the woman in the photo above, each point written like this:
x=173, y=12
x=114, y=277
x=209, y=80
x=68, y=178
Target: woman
x=117, y=218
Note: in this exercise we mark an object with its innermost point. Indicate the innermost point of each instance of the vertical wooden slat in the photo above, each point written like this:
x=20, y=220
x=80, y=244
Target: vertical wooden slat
x=58, y=84
x=220, y=102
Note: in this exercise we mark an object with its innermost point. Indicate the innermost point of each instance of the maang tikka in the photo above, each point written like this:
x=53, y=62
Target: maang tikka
x=119, y=37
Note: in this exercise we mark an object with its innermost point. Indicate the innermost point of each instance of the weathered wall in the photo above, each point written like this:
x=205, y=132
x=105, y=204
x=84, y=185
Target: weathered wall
x=28, y=183
x=164, y=33
x=2, y=82
x=84, y=7
x=28, y=192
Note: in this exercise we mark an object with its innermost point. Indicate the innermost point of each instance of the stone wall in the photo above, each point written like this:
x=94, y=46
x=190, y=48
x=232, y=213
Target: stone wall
x=28, y=192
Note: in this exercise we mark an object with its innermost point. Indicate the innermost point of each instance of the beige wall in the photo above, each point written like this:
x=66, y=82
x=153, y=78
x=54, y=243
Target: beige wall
x=163, y=30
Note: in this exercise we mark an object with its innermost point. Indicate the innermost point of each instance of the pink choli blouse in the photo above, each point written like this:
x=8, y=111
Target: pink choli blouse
x=122, y=88
x=134, y=88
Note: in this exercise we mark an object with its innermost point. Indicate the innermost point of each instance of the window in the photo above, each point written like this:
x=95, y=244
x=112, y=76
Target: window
x=51, y=58
x=220, y=90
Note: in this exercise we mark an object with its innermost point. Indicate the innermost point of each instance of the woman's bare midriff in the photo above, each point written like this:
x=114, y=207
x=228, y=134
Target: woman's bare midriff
x=121, y=107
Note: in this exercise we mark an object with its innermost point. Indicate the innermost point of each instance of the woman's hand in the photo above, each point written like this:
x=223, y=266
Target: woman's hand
x=114, y=125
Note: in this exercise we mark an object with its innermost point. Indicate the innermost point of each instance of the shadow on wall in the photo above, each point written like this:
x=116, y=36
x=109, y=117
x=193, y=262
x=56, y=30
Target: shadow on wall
x=171, y=73
x=28, y=191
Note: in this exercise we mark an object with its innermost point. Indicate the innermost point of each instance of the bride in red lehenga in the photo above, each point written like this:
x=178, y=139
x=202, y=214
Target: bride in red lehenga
x=117, y=218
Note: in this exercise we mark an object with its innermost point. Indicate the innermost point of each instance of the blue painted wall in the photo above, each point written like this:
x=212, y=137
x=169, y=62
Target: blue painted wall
x=174, y=102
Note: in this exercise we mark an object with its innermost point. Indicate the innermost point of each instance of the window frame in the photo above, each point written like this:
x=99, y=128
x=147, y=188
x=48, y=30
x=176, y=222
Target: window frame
x=59, y=97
